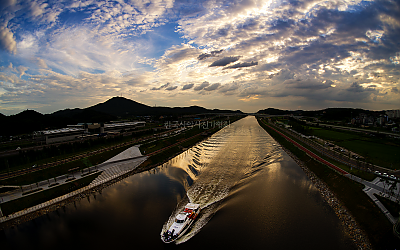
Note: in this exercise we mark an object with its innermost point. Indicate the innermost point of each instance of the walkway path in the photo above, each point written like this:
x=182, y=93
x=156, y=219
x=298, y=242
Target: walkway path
x=111, y=169
x=80, y=156
x=126, y=160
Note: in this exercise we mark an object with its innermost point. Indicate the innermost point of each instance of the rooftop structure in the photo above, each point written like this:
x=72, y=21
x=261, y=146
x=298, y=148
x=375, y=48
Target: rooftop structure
x=73, y=132
x=58, y=135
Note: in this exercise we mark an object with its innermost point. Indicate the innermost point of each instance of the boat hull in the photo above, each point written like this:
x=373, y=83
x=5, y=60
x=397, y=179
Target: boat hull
x=183, y=222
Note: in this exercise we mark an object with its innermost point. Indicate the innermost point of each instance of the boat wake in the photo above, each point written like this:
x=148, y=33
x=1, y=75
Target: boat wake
x=217, y=165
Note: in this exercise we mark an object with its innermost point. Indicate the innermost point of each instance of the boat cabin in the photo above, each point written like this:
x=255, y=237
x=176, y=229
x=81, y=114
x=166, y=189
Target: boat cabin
x=180, y=218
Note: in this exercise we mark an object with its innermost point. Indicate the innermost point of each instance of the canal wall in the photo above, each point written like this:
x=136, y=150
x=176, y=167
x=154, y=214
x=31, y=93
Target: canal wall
x=112, y=177
x=350, y=224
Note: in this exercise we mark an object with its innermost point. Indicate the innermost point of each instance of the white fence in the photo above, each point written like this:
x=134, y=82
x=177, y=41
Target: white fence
x=59, y=199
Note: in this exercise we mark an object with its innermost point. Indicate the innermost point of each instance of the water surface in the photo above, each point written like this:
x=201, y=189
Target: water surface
x=252, y=193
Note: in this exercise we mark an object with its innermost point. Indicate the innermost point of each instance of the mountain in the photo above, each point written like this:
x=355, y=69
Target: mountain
x=273, y=111
x=26, y=121
x=67, y=112
x=324, y=114
x=83, y=115
x=120, y=106
x=29, y=120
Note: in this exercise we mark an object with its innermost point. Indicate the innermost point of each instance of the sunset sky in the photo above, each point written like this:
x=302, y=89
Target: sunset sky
x=246, y=55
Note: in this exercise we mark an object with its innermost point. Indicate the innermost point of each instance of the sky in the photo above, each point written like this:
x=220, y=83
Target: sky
x=244, y=54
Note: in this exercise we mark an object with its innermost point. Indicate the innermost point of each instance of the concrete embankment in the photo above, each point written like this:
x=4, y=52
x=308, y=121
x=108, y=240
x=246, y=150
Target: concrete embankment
x=52, y=205
x=114, y=170
x=350, y=224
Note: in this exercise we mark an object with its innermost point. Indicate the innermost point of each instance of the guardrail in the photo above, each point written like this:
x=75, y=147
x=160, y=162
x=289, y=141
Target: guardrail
x=77, y=157
x=334, y=155
x=61, y=198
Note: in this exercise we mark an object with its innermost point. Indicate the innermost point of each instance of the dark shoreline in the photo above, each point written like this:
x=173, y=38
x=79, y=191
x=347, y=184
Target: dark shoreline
x=97, y=189
x=357, y=235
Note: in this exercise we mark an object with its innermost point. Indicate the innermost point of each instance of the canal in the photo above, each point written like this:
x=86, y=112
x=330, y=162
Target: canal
x=252, y=193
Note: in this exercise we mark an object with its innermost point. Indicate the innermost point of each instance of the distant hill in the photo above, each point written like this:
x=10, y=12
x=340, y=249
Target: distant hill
x=273, y=111
x=24, y=122
x=120, y=106
x=324, y=114
x=30, y=120
x=123, y=107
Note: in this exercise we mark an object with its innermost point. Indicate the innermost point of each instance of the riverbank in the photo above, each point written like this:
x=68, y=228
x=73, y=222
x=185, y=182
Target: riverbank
x=75, y=196
x=156, y=160
x=352, y=228
x=350, y=197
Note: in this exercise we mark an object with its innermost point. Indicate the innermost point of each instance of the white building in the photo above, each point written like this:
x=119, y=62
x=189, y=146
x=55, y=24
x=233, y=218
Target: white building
x=73, y=132
x=58, y=135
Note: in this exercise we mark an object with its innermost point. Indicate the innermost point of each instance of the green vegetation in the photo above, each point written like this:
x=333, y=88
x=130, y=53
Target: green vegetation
x=357, y=172
x=380, y=154
x=332, y=135
x=364, y=210
x=43, y=196
x=195, y=134
x=381, y=151
x=150, y=147
x=54, y=153
x=15, y=144
x=62, y=169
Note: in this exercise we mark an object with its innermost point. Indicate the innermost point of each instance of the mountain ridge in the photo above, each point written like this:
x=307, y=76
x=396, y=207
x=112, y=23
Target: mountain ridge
x=114, y=108
x=326, y=114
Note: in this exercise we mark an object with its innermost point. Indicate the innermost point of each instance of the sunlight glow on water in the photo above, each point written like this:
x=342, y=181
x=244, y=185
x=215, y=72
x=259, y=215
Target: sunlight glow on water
x=252, y=193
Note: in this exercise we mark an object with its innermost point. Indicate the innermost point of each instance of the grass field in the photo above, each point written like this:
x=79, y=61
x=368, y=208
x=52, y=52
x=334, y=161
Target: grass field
x=362, y=174
x=379, y=151
x=62, y=169
x=332, y=135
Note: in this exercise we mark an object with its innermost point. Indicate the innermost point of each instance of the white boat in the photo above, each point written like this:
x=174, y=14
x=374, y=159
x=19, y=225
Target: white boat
x=183, y=221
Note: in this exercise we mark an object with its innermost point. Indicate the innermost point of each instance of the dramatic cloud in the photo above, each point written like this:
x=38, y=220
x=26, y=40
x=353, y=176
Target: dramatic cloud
x=171, y=88
x=246, y=55
x=242, y=65
x=228, y=88
x=225, y=61
x=201, y=86
x=188, y=86
x=211, y=54
x=6, y=3
x=7, y=41
x=212, y=87
x=161, y=87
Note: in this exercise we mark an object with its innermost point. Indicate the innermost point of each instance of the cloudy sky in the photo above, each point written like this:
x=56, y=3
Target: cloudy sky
x=244, y=54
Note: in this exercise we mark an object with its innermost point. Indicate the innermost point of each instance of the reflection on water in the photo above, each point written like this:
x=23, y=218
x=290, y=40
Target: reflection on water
x=216, y=165
x=253, y=195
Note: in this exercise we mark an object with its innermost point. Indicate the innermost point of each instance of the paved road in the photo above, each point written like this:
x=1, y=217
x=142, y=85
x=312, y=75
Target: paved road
x=311, y=154
x=376, y=187
x=339, y=157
